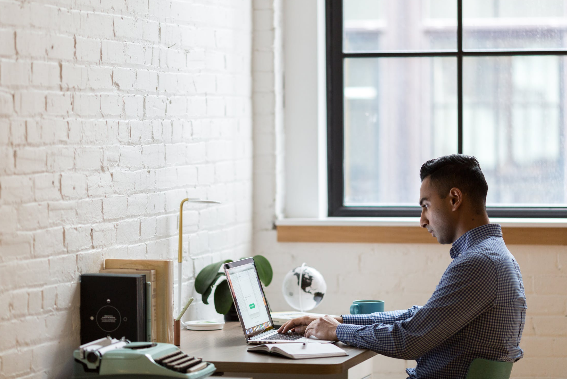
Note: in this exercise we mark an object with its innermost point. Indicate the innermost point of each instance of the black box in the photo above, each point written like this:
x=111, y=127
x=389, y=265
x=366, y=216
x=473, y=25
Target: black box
x=113, y=305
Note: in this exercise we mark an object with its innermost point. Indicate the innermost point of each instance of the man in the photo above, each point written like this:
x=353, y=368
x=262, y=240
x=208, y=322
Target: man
x=478, y=308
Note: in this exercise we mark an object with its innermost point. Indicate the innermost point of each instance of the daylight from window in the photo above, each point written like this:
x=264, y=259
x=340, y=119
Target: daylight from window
x=401, y=111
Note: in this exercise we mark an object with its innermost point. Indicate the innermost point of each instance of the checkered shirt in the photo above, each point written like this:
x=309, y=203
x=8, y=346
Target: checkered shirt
x=477, y=311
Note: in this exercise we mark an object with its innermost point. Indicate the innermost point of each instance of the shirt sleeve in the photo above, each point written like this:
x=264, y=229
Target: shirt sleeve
x=380, y=317
x=467, y=289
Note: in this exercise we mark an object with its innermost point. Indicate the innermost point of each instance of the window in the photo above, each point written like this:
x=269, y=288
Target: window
x=411, y=80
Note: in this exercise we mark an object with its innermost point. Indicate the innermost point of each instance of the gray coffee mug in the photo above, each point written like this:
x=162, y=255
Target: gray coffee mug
x=359, y=307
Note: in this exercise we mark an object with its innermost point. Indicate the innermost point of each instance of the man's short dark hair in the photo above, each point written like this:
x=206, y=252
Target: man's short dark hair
x=460, y=171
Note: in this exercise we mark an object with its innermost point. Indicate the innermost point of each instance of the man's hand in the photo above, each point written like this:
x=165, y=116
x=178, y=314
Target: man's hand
x=299, y=324
x=324, y=328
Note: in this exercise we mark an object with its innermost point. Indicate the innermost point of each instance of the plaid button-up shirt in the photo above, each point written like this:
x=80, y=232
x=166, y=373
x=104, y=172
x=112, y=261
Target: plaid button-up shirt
x=477, y=311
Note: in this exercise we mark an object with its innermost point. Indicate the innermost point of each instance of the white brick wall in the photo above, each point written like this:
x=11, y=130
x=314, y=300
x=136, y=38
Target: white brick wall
x=112, y=112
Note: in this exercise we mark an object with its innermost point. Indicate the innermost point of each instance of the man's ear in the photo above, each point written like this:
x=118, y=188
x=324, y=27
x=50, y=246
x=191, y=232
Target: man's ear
x=456, y=198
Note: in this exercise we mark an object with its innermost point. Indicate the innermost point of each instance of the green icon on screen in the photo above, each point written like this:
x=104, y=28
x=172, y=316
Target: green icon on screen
x=252, y=306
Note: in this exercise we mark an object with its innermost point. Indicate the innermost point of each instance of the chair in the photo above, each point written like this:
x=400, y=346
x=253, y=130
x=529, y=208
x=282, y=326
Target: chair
x=485, y=369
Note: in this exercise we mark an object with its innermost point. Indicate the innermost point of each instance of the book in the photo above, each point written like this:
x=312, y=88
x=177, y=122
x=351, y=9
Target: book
x=164, y=291
x=300, y=350
x=152, y=310
x=113, y=305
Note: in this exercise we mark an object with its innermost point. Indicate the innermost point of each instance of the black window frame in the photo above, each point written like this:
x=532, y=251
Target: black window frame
x=335, y=118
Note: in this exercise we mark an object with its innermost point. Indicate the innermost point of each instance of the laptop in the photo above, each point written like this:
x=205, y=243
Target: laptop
x=251, y=305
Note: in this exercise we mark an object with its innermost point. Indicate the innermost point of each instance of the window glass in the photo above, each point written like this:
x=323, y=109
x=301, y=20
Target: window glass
x=399, y=25
x=514, y=24
x=514, y=124
x=399, y=112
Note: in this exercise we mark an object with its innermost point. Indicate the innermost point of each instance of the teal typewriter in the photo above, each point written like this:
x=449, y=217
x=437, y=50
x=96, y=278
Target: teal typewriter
x=122, y=359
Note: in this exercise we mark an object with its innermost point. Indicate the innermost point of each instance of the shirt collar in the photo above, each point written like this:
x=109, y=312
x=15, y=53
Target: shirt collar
x=473, y=236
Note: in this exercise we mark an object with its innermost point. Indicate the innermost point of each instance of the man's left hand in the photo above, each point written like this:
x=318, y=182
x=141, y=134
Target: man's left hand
x=324, y=328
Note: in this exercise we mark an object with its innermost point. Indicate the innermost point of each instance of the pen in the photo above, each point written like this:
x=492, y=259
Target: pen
x=184, y=309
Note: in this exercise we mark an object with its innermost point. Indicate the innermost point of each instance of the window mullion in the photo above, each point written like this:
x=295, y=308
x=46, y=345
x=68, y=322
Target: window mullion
x=460, y=76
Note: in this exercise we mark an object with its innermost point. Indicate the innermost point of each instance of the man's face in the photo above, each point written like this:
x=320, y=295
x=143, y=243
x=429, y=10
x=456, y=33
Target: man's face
x=436, y=213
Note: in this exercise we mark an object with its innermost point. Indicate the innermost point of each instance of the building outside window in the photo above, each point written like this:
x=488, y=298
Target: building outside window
x=417, y=83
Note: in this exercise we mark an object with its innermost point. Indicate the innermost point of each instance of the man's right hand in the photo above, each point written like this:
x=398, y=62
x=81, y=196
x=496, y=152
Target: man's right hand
x=299, y=324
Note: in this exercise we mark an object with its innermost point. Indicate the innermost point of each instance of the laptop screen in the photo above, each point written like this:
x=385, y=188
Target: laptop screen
x=249, y=297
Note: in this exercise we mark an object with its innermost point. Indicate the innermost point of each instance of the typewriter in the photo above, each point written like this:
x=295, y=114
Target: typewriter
x=122, y=359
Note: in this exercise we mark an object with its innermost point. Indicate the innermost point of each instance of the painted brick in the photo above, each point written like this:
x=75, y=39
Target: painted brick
x=33, y=216
x=99, y=78
x=17, y=363
x=60, y=159
x=551, y=284
x=16, y=247
x=86, y=104
x=8, y=219
x=110, y=105
x=131, y=157
x=88, y=158
x=99, y=184
x=146, y=80
x=127, y=28
x=59, y=104
x=96, y=95
x=16, y=189
x=49, y=297
x=89, y=211
x=155, y=107
x=62, y=213
x=66, y=295
x=30, y=160
x=104, y=235
x=148, y=228
x=88, y=50
x=97, y=25
x=74, y=77
x=137, y=204
x=124, y=78
x=114, y=207
x=133, y=106
x=45, y=74
x=47, y=187
x=49, y=242
x=153, y=156
x=14, y=14
x=7, y=43
x=78, y=238
x=60, y=47
x=30, y=103
x=73, y=186
x=128, y=231
x=31, y=43
x=62, y=268
x=35, y=300
x=24, y=274
x=6, y=104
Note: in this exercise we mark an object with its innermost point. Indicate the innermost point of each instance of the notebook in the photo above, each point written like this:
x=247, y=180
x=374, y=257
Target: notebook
x=251, y=305
x=301, y=350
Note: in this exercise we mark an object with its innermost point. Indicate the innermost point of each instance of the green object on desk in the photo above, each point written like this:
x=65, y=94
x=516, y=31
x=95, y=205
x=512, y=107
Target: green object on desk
x=210, y=275
x=131, y=361
x=184, y=309
x=366, y=306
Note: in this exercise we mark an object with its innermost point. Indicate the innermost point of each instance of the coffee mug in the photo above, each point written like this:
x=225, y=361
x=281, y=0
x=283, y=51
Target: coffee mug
x=359, y=307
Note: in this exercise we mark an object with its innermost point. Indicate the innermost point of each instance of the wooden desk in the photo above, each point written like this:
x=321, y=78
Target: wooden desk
x=226, y=349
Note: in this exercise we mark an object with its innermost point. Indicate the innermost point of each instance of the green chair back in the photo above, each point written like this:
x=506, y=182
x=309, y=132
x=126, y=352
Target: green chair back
x=485, y=369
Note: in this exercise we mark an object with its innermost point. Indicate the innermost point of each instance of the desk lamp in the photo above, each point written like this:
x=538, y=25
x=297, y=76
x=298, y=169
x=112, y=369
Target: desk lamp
x=180, y=251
